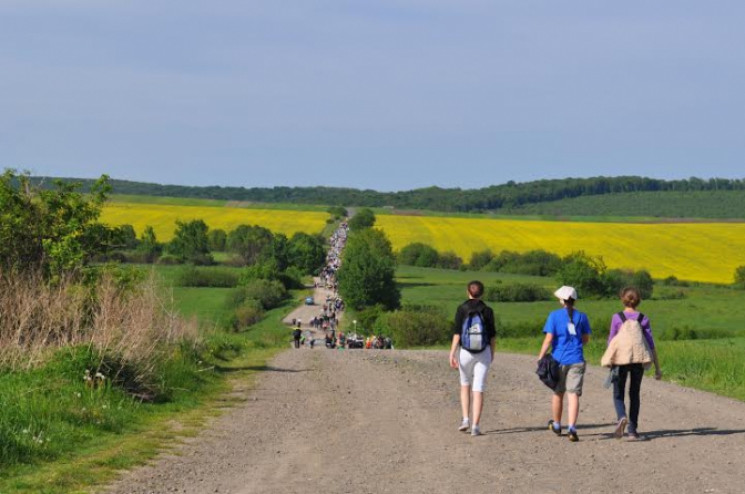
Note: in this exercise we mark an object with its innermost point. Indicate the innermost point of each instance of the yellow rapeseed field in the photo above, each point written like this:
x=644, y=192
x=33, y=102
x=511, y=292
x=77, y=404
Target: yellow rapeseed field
x=163, y=218
x=692, y=251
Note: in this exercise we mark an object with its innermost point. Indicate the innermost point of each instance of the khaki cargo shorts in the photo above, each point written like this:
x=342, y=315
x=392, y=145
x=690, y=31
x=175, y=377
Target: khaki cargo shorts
x=571, y=379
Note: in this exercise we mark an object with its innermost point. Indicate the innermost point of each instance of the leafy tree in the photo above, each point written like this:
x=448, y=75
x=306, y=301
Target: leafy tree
x=252, y=243
x=216, y=240
x=419, y=254
x=149, y=248
x=337, y=211
x=280, y=251
x=585, y=273
x=366, y=276
x=365, y=218
x=53, y=230
x=190, y=242
x=307, y=252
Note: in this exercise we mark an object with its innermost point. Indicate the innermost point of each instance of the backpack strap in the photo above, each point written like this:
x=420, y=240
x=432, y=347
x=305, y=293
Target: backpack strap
x=622, y=316
x=640, y=318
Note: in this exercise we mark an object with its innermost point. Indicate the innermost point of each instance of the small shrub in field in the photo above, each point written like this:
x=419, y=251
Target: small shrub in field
x=740, y=277
x=534, y=262
x=269, y=293
x=419, y=254
x=367, y=317
x=517, y=292
x=248, y=314
x=674, y=281
x=449, y=260
x=480, y=259
x=206, y=277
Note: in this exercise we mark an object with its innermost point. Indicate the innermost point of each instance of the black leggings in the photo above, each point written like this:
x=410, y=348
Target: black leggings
x=635, y=372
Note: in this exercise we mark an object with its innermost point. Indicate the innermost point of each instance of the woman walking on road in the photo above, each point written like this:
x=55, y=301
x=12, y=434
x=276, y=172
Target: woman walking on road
x=567, y=331
x=630, y=351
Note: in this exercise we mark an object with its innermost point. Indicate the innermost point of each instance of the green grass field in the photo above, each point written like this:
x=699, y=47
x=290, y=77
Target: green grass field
x=58, y=435
x=705, y=308
x=709, y=364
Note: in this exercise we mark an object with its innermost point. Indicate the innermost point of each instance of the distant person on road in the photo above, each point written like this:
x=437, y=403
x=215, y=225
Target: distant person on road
x=567, y=331
x=296, y=335
x=630, y=351
x=472, y=352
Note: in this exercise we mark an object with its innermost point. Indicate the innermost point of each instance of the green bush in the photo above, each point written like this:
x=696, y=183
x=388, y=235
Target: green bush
x=419, y=254
x=248, y=314
x=368, y=317
x=674, y=281
x=617, y=279
x=517, y=292
x=480, y=259
x=533, y=263
x=449, y=260
x=206, y=277
x=585, y=273
x=740, y=277
x=365, y=218
x=269, y=293
x=415, y=327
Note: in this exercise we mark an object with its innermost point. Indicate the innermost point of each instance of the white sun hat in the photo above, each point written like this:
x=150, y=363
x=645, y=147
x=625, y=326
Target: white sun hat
x=565, y=293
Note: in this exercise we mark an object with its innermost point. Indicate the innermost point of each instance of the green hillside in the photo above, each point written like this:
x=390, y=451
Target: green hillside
x=722, y=204
x=595, y=196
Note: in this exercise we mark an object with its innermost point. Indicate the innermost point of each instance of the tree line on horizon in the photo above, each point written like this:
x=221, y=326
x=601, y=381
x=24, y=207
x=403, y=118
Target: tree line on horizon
x=492, y=198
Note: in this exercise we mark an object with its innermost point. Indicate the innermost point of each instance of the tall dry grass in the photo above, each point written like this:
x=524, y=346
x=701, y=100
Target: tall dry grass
x=130, y=327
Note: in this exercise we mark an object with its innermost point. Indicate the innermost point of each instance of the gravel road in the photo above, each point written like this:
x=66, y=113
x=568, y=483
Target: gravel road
x=361, y=421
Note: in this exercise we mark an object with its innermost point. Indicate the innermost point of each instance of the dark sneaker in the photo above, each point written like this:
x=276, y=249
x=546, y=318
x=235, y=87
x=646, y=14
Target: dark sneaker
x=618, y=433
x=573, y=436
x=553, y=429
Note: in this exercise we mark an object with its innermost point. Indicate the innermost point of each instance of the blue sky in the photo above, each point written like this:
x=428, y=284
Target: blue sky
x=384, y=94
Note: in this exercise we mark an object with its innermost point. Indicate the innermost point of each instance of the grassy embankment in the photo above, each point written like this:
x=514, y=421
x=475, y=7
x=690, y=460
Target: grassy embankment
x=62, y=434
x=714, y=316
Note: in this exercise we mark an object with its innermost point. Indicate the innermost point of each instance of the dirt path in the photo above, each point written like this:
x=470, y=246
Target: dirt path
x=341, y=421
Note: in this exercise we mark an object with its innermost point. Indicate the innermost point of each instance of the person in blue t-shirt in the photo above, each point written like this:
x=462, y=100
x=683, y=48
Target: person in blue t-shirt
x=567, y=331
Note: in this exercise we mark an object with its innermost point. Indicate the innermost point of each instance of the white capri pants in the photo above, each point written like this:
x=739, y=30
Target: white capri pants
x=473, y=368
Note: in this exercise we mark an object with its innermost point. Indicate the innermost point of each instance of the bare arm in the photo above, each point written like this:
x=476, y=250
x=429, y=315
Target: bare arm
x=546, y=343
x=453, y=349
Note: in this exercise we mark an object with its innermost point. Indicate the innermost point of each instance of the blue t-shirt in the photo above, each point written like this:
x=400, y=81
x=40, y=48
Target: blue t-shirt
x=567, y=347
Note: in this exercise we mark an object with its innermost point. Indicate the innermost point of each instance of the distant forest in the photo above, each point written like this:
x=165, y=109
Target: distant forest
x=509, y=197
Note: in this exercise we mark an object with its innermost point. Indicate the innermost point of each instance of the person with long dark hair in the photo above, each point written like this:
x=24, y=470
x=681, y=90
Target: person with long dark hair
x=567, y=331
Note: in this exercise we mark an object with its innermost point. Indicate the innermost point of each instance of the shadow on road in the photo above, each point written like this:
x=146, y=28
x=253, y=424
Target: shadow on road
x=698, y=431
x=518, y=430
x=257, y=368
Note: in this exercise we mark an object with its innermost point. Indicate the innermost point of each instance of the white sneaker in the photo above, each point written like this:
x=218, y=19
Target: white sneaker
x=475, y=430
x=464, y=425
